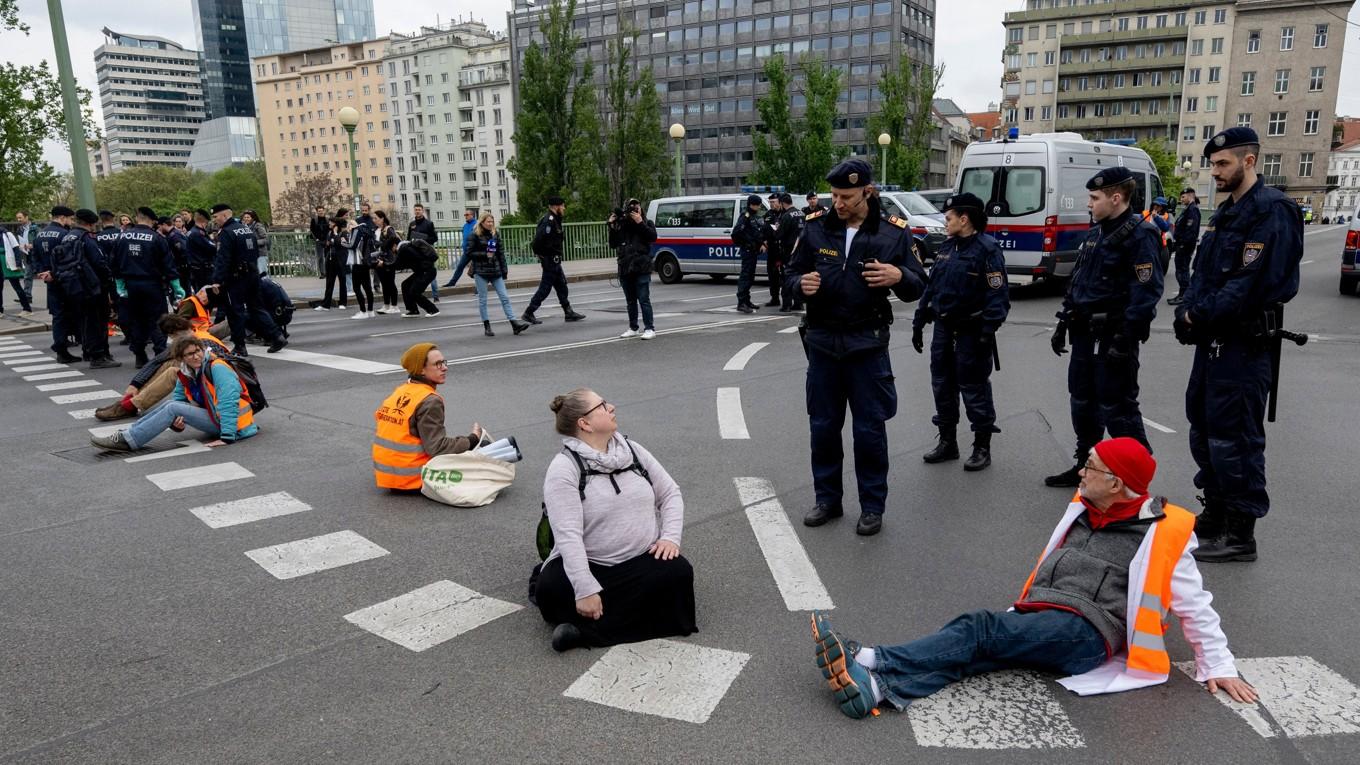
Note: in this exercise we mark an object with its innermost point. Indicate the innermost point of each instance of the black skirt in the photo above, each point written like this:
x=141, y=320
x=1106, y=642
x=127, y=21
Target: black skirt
x=644, y=598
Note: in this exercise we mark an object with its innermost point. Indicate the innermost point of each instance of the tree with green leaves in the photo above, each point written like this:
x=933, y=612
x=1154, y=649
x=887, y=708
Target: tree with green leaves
x=1164, y=159
x=630, y=117
x=558, y=147
x=797, y=152
x=907, y=114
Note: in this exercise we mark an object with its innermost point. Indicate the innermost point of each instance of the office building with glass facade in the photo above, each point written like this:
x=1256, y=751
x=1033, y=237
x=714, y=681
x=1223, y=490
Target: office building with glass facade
x=151, y=95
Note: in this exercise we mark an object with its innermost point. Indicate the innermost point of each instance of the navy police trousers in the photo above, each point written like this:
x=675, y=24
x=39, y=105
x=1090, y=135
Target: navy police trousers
x=863, y=380
x=1226, y=405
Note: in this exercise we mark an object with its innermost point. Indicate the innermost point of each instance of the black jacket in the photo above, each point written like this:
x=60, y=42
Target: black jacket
x=749, y=231
x=487, y=259
x=548, y=238
x=321, y=228
x=388, y=239
x=422, y=228
x=1118, y=273
x=633, y=241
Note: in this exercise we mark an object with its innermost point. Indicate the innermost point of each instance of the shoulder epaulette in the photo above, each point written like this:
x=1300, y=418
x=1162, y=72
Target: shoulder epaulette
x=896, y=221
x=815, y=215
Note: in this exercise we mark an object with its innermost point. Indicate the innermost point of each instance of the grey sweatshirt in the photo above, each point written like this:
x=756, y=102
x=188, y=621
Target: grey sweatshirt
x=608, y=527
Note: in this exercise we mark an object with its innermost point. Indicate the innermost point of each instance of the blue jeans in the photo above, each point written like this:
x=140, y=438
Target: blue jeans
x=637, y=290
x=499, y=284
x=458, y=270
x=985, y=641
x=156, y=421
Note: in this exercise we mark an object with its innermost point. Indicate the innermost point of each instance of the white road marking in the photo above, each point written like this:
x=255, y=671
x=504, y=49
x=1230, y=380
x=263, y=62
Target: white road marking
x=997, y=710
x=666, y=678
x=1306, y=262
x=308, y=556
x=731, y=420
x=248, y=510
x=199, y=476
x=30, y=357
x=543, y=312
x=722, y=310
x=89, y=395
x=54, y=375
x=1157, y=426
x=69, y=385
x=16, y=352
x=7, y=346
x=428, y=616
x=186, y=447
x=82, y=414
x=39, y=367
x=739, y=360
x=1302, y=695
x=666, y=315
x=329, y=361
x=789, y=330
x=793, y=572
x=726, y=296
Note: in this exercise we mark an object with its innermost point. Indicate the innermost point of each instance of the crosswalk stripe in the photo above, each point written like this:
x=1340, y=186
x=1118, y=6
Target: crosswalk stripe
x=39, y=367
x=667, y=678
x=430, y=615
x=18, y=359
x=199, y=476
x=82, y=414
x=54, y=375
x=998, y=710
x=742, y=357
x=249, y=510
x=186, y=447
x=792, y=569
x=731, y=419
x=89, y=395
x=14, y=353
x=1302, y=696
x=329, y=361
x=69, y=385
x=308, y=556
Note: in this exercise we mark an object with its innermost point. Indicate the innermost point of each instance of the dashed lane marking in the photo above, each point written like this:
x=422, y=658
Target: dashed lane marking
x=1157, y=426
x=248, y=510
x=39, y=368
x=69, y=385
x=329, y=361
x=789, y=330
x=731, y=420
x=308, y=556
x=199, y=476
x=186, y=447
x=428, y=616
x=54, y=375
x=725, y=296
x=666, y=678
x=742, y=357
x=1300, y=696
x=792, y=569
x=89, y=395
x=997, y=710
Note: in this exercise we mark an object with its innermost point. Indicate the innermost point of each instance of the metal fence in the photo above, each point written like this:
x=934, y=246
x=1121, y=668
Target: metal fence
x=293, y=253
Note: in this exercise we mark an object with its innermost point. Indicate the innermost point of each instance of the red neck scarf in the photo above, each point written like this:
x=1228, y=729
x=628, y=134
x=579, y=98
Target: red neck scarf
x=1122, y=510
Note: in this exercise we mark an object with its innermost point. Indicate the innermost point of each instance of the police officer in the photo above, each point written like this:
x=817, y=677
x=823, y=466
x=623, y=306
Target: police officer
x=236, y=270
x=774, y=255
x=814, y=203
x=142, y=267
x=1246, y=269
x=968, y=299
x=81, y=269
x=107, y=239
x=1184, y=240
x=200, y=251
x=783, y=235
x=845, y=263
x=43, y=245
x=748, y=235
x=547, y=245
x=1110, y=303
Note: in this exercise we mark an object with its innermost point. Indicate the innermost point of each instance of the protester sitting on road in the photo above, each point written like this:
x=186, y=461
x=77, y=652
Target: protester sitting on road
x=1094, y=607
x=410, y=423
x=615, y=573
x=156, y=379
x=208, y=396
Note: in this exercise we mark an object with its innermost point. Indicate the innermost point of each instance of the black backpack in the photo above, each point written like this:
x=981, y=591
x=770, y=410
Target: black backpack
x=250, y=379
x=70, y=269
x=545, y=539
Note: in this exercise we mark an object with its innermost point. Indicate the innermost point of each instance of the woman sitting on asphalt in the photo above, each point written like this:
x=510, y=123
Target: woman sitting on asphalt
x=488, y=267
x=208, y=396
x=615, y=573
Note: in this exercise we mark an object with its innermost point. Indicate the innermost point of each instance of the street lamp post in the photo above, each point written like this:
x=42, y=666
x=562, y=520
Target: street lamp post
x=349, y=119
x=75, y=129
x=883, y=140
x=678, y=135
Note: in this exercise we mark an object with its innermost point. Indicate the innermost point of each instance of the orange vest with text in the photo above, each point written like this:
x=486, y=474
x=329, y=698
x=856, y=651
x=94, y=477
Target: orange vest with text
x=245, y=415
x=399, y=456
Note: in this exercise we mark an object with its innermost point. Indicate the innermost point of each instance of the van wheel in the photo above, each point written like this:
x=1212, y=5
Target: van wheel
x=668, y=269
x=1348, y=284
x=718, y=277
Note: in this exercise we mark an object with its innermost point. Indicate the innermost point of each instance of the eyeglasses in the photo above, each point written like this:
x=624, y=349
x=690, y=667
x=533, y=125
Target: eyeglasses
x=1089, y=466
x=441, y=364
x=593, y=408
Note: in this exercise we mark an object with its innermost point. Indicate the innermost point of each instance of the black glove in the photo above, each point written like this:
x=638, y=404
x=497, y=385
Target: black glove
x=1120, y=347
x=1059, y=338
x=918, y=340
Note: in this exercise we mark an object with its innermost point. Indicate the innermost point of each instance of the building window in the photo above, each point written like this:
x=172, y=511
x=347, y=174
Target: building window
x=1221, y=16
x=1045, y=112
x=1211, y=104
x=1271, y=165
x=1310, y=122
x=1208, y=132
x=1216, y=46
x=1215, y=73
x=1315, y=78
x=1015, y=35
x=1306, y=164
x=1320, y=36
x=1123, y=25
x=1281, y=81
x=1197, y=47
x=1248, y=83
x=1277, y=123
x=1254, y=41
x=1050, y=57
x=1192, y=77
x=1188, y=133
x=1048, y=86
x=1029, y=113
x=1286, y=38
x=1192, y=104
x=1199, y=16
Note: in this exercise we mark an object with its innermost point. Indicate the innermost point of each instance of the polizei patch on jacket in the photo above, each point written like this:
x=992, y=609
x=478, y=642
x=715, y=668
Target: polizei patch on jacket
x=1143, y=271
x=828, y=252
x=1251, y=251
x=995, y=280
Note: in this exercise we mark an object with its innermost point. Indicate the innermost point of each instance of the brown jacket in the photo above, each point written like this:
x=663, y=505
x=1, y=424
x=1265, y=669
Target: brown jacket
x=427, y=424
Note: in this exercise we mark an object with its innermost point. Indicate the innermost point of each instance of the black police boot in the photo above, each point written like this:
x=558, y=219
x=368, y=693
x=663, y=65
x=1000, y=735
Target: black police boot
x=529, y=317
x=1210, y=523
x=279, y=344
x=518, y=326
x=139, y=360
x=947, y=449
x=1069, y=478
x=746, y=308
x=982, y=453
x=571, y=315
x=1177, y=300
x=1238, y=542
x=869, y=524
x=773, y=302
x=822, y=513
x=486, y=329
x=240, y=350
x=108, y=362
x=66, y=357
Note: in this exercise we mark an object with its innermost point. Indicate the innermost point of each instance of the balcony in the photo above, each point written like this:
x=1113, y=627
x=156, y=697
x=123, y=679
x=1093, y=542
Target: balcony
x=1115, y=123
x=1131, y=37
x=1089, y=11
x=1173, y=61
x=1280, y=181
x=1119, y=94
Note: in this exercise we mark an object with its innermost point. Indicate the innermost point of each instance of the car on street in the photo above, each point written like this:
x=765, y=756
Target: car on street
x=1350, y=274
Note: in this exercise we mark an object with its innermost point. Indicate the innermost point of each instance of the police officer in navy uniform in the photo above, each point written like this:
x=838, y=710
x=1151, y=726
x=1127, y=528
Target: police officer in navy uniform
x=968, y=300
x=107, y=238
x=1110, y=303
x=1246, y=269
x=1184, y=239
x=789, y=228
x=236, y=270
x=749, y=236
x=78, y=264
x=142, y=268
x=43, y=245
x=549, y=239
x=845, y=264
x=200, y=251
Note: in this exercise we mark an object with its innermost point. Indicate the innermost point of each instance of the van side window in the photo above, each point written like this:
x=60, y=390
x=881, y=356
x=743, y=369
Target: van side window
x=1024, y=190
x=712, y=214
x=979, y=182
x=672, y=214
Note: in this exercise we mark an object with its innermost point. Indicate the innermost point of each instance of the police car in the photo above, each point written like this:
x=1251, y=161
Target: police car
x=927, y=223
x=694, y=235
x=1350, y=270
x=1035, y=190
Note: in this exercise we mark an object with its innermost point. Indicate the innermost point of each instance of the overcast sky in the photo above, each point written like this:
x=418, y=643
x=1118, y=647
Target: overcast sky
x=968, y=40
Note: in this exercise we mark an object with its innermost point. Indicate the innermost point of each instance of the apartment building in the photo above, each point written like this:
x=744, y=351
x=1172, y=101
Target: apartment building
x=1179, y=71
x=299, y=94
x=152, y=98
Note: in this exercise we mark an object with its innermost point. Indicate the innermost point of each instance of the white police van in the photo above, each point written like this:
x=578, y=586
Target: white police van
x=1035, y=190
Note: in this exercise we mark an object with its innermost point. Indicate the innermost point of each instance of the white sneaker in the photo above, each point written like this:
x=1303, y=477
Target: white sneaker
x=648, y=334
x=321, y=308
x=389, y=309
x=360, y=315
x=630, y=333
x=415, y=315
x=372, y=314
x=432, y=314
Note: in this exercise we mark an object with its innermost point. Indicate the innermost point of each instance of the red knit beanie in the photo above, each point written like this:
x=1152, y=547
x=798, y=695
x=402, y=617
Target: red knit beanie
x=1130, y=460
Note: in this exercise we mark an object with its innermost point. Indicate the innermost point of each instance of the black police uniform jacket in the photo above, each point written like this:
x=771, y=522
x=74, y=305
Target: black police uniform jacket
x=1120, y=277
x=846, y=315
x=142, y=254
x=79, y=266
x=968, y=289
x=1187, y=226
x=200, y=248
x=1247, y=261
x=107, y=238
x=548, y=237
x=237, y=251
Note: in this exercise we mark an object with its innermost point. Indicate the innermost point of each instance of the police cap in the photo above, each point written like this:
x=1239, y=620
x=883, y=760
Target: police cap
x=555, y=200
x=964, y=201
x=105, y=214
x=147, y=212
x=850, y=174
x=87, y=216
x=812, y=195
x=1188, y=190
x=62, y=211
x=774, y=197
x=1231, y=139
x=221, y=207
x=786, y=198
x=753, y=200
x=1107, y=178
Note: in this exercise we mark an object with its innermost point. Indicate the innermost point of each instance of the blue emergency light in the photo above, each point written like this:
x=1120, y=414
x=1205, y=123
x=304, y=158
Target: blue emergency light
x=890, y=187
x=762, y=189
x=1013, y=134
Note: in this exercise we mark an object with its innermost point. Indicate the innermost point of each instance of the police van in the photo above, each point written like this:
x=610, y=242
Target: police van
x=1035, y=189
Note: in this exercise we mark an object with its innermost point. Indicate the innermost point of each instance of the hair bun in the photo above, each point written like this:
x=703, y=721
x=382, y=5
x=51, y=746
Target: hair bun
x=556, y=404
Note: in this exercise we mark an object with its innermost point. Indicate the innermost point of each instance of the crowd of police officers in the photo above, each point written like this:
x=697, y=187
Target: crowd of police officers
x=97, y=272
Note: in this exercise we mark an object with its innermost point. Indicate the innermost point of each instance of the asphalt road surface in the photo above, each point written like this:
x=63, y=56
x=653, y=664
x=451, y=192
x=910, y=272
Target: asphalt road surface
x=158, y=610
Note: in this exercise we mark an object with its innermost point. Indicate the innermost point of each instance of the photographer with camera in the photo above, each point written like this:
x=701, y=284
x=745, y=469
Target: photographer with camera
x=631, y=236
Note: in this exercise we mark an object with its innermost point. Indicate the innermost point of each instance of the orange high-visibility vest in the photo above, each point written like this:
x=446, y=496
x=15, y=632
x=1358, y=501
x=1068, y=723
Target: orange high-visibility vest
x=399, y=456
x=245, y=415
x=1147, y=646
x=201, y=319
